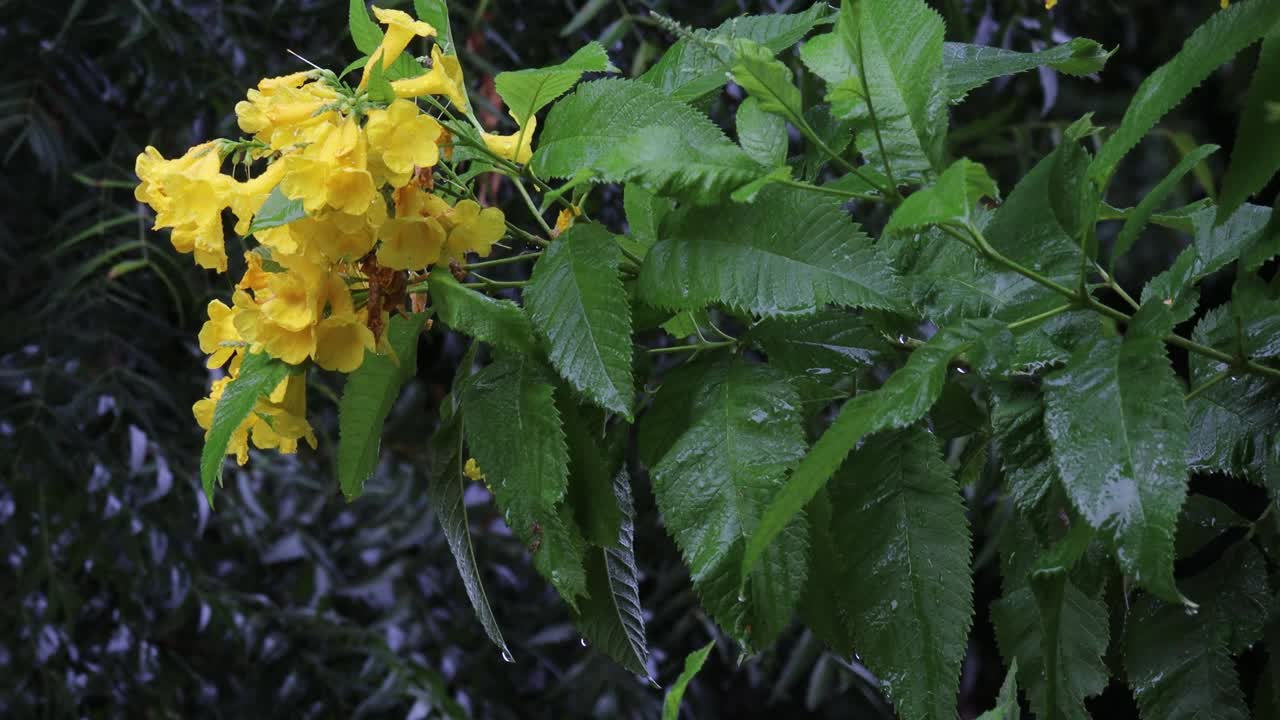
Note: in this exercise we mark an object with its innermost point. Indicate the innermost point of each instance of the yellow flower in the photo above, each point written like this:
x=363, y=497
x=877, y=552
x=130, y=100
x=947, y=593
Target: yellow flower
x=331, y=172
x=247, y=197
x=254, y=278
x=405, y=138
x=444, y=78
x=338, y=236
x=517, y=147
x=472, y=470
x=1048, y=4
x=292, y=81
x=218, y=335
x=341, y=341
x=283, y=115
x=474, y=229
x=188, y=195
x=203, y=410
x=410, y=243
x=401, y=28
x=564, y=220
x=282, y=417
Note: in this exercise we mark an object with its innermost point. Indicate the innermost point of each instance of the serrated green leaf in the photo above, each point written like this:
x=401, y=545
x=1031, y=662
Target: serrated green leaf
x=1256, y=155
x=611, y=619
x=446, y=494
x=906, y=582
x=969, y=67
x=898, y=95
x=903, y=400
x=527, y=91
x=645, y=213
x=664, y=161
x=260, y=374
x=498, y=322
x=762, y=135
x=1137, y=221
x=1007, y=703
x=1017, y=419
x=1081, y=671
x=829, y=342
x=767, y=79
x=1218, y=244
x=718, y=472
x=1117, y=423
x=1233, y=423
x=822, y=607
x=276, y=210
x=364, y=31
x=1215, y=42
x=527, y=466
x=367, y=398
x=588, y=125
x=595, y=458
x=436, y=14
x=696, y=66
x=692, y=664
x=379, y=88
x=948, y=201
x=790, y=252
x=1179, y=664
x=578, y=306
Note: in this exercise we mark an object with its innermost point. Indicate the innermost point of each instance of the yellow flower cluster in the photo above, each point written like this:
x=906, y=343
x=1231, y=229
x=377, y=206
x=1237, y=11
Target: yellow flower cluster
x=320, y=287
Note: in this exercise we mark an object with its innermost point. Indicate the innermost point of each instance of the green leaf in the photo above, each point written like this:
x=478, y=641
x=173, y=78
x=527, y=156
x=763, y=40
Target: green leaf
x=595, y=458
x=790, y=252
x=1233, y=423
x=903, y=399
x=1007, y=703
x=1179, y=664
x=1017, y=419
x=611, y=619
x=528, y=466
x=1219, y=244
x=948, y=201
x=692, y=664
x=664, y=161
x=645, y=213
x=436, y=14
x=761, y=134
x=721, y=467
x=590, y=124
x=696, y=65
x=1117, y=424
x=1080, y=669
x=969, y=67
x=906, y=579
x=367, y=399
x=446, y=493
x=364, y=31
x=589, y=9
x=277, y=210
x=1255, y=159
x=260, y=374
x=527, y=91
x=498, y=322
x=1212, y=44
x=829, y=342
x=380, y=90
x=822, y=607
x=767, y=79
x=578, y=306
x=1136, y=222
x=898, y=96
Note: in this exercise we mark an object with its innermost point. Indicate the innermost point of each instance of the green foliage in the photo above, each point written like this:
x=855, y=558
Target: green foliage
x=969, y=67
x=527, y=91
x=259, y=376
x=1256, y=158
x=497, y=322
x=277, y=210
x=692, y=664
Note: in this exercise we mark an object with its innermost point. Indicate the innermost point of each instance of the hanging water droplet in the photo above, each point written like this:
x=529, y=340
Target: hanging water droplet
x=582, y=642
x=1191, y=609
x=962, y=371
x=902, y=339
x=506, y=656
x=742, y=598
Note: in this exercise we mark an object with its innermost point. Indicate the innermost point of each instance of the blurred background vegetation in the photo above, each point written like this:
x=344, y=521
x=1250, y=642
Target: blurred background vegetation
x=125, y=596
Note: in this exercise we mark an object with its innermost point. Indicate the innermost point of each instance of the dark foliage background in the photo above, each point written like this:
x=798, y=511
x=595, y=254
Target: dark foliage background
x=123, y=595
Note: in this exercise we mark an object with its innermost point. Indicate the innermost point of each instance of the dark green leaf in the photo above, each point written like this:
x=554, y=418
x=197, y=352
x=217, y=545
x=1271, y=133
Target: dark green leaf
x=1256, y=155
x=904, y=399
x=971, y=66
x=822, y=607
x=368, y=397
x=906, y=582
x=1007, y=704
x=446, y=494
x=436, y=14
x=948, y=201
x=719, y=471
x=260, y=374
x=664, y=161
x=1137, y=221
x=1017, y=418
x=364, y=31
x=1117, y=424
x=498, y=322
x=1212, y=44
x=611, y=618
x=762, y=135
x=790, y=252
x=830, y=342
x=578, y=306
x=380, y=90
x=595, y=458
x=527, y=465
x=277, y=210
x=645, y=213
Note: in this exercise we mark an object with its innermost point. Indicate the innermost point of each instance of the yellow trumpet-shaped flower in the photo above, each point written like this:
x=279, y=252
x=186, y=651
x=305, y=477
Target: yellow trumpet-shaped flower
x=401, y=28
x=247, y=197
x=405, y=139
x=219, y=335
x=203, y=410
x=475, y=229
x=444, y=78
x=332, y=172
x=517, y=146
x=282, y=417
x=410, y=243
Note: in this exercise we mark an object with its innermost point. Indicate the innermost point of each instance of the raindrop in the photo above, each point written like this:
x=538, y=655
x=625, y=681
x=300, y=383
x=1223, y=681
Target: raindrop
x=1191, y=609
x=962, y=371
x=902, y=339
x=582, y=642
x=506, y=656
x=893, y=604
x=742, y=598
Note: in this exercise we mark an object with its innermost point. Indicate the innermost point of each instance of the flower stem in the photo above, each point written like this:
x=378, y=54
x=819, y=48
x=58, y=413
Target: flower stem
x=696, y=347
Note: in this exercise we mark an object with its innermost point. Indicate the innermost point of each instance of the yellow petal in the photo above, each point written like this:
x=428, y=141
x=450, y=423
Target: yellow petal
x=341, y=341
x=517, y=147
